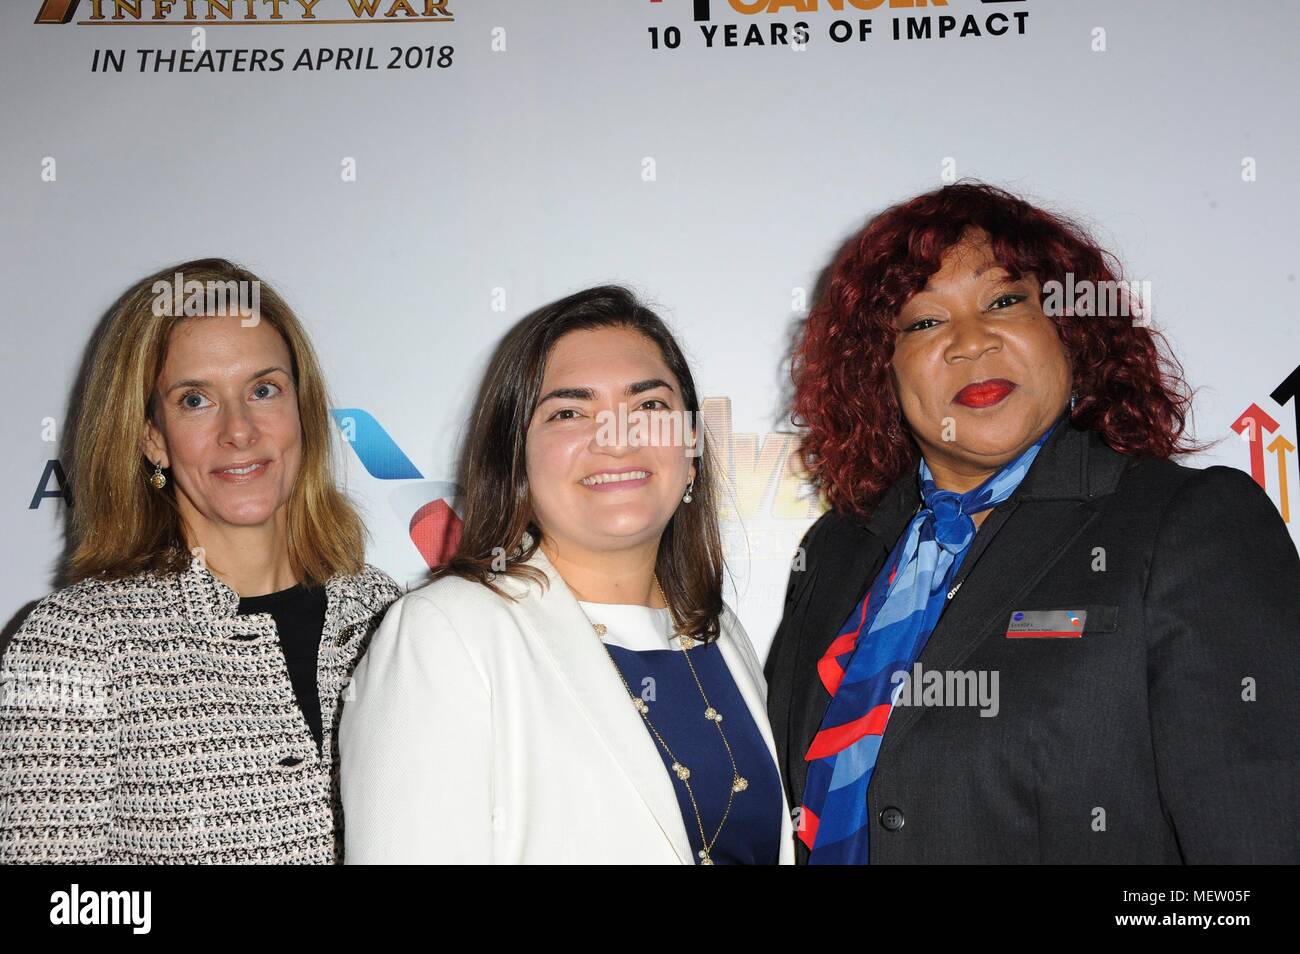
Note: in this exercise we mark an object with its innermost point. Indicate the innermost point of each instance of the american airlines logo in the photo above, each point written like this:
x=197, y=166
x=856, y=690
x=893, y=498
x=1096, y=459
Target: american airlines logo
x=427, y=508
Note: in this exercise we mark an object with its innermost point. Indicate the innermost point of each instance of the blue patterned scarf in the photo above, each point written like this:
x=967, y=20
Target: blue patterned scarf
x=897, y=615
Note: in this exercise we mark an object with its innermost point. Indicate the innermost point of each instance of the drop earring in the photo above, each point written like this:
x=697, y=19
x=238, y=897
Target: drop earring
x=157, y=480
x=689, y=488
x=1073, y=400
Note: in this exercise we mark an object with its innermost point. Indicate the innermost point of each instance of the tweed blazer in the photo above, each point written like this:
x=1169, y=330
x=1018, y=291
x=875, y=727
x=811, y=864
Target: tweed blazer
x=143, y=721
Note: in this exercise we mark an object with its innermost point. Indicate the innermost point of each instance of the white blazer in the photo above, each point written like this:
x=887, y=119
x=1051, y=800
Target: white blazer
x=482, y=730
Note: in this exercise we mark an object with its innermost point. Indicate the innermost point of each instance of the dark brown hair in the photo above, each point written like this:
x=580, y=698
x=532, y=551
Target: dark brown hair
x=494, y=474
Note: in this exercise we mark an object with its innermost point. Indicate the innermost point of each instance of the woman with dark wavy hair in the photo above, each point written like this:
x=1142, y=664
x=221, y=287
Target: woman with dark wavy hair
x=571, y=686
x=1022, y=633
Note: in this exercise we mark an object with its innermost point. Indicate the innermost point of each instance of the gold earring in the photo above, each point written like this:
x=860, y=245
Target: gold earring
x=157, y=480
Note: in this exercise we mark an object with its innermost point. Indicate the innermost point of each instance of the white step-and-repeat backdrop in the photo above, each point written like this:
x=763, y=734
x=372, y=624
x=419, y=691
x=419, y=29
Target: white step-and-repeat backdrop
x=416, y=176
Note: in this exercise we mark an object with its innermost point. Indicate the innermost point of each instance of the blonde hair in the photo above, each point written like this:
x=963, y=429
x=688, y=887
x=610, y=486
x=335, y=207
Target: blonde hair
x=120, y=524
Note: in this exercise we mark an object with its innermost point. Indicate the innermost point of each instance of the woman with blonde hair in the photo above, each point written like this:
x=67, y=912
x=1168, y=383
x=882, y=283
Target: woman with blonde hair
x=178, y=701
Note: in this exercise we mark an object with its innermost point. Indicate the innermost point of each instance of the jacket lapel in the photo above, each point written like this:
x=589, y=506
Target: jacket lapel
x=1049, y=509
x=563, y=629
x=848, y=563
x=751, y=687
x=749, y=691
x=1033, y=528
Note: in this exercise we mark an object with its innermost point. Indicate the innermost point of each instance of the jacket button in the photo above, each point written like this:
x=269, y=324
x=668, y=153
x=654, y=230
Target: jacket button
x=891, y=819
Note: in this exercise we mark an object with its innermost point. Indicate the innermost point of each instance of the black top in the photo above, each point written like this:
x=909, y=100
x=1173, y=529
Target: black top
x=299, y=614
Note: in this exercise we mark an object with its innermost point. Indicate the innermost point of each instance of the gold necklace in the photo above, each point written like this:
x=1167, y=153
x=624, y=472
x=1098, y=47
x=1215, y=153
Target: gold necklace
x=738, y=782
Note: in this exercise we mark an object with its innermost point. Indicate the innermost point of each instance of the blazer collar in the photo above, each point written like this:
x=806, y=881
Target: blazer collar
x=560, y=625
x=206, y=598
x=208, y=601
x=1067, y=467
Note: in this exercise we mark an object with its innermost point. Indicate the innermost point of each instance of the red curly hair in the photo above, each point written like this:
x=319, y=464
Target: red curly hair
x=857, y=444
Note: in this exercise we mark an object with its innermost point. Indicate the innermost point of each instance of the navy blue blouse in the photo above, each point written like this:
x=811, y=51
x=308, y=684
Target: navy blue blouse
x=652, y=661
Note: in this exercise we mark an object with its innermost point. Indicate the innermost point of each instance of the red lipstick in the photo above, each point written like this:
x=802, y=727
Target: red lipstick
x=984, y=393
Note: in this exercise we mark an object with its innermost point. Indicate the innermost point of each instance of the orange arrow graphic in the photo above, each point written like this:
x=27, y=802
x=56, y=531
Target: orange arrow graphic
x=1281, y=447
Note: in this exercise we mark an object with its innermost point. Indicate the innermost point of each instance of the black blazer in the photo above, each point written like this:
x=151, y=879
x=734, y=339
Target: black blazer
x=1130, y=744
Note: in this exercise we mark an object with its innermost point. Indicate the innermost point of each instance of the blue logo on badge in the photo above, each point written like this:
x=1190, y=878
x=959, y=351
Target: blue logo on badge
x=1017, y=616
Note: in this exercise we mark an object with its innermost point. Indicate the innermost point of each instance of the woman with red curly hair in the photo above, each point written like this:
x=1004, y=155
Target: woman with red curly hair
x=1022, y=633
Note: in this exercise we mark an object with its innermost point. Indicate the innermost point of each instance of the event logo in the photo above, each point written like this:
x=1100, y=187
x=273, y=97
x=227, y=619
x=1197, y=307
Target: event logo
x=1255, y=424
x=704, y=8
x=217, y=12
x=757, y=23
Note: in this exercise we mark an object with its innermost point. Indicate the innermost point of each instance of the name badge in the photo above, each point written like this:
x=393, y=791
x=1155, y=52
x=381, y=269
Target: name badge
x=1046, y=624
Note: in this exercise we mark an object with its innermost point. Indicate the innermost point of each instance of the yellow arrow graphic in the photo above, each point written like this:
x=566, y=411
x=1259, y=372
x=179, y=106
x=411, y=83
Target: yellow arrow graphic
x=1281, y=447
